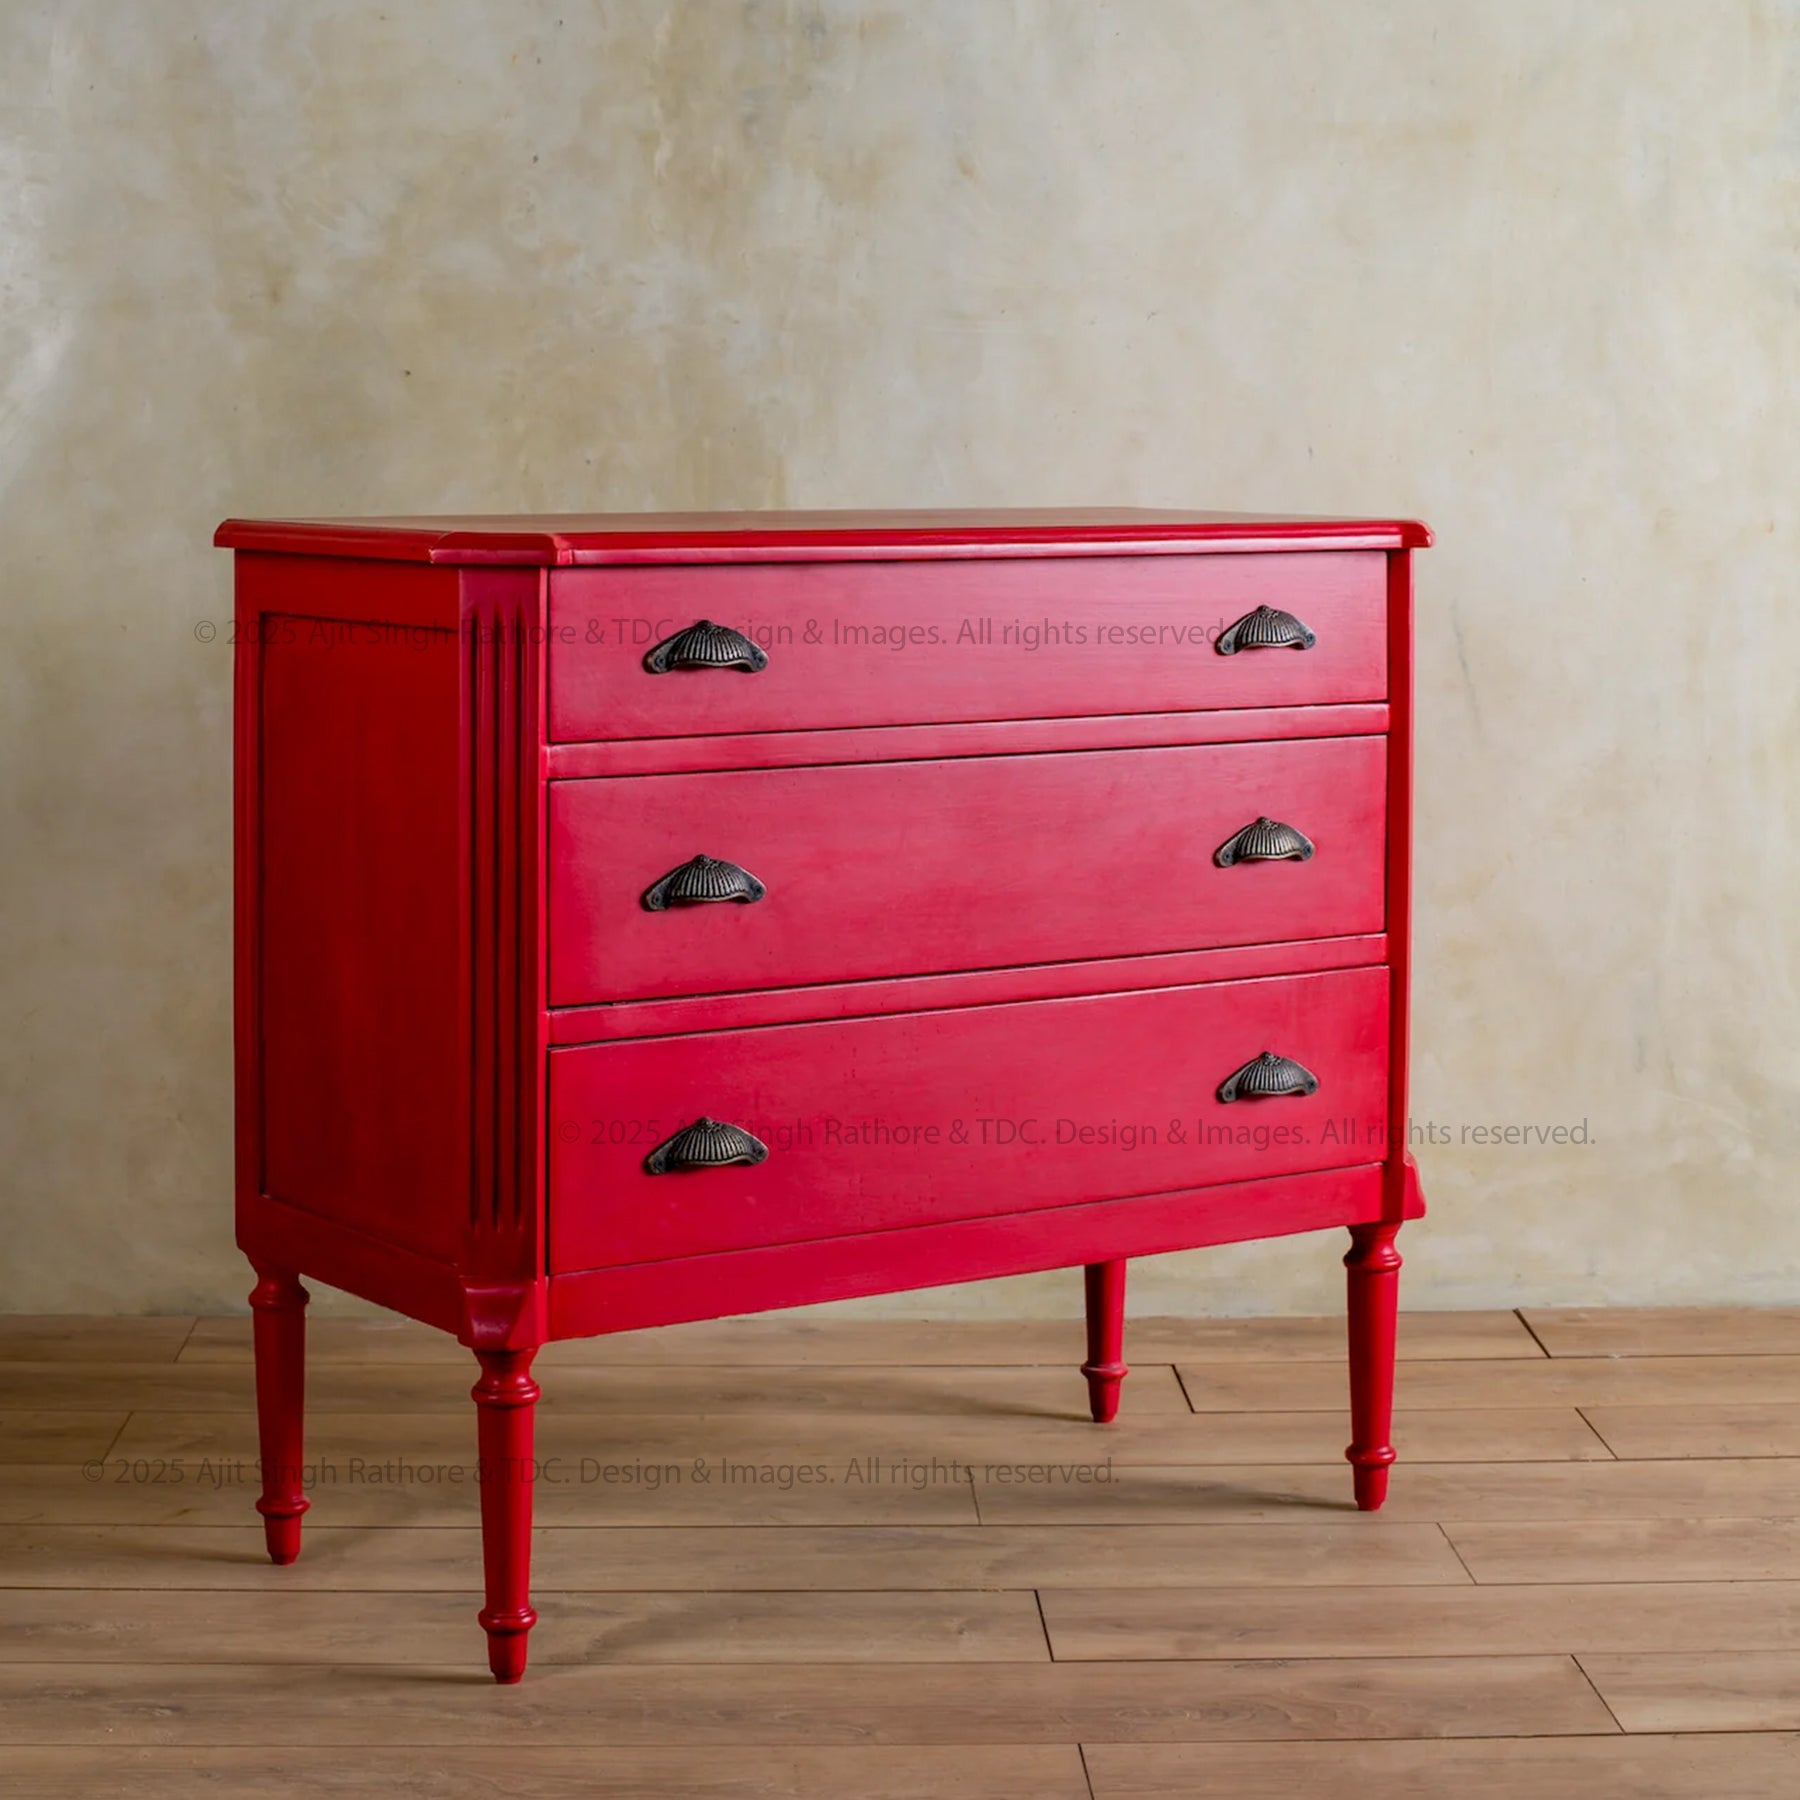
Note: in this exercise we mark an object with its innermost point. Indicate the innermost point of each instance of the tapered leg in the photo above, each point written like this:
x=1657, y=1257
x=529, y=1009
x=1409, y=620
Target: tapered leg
x=278, y=1312
x=505, y=1406
x=1105, y=1366
x=1374, y=1298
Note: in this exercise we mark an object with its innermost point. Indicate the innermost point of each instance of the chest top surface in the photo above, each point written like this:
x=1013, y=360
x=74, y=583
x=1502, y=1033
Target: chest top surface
x=569, y=539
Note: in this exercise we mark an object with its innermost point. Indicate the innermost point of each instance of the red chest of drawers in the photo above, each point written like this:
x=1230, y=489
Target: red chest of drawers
x=643, y=919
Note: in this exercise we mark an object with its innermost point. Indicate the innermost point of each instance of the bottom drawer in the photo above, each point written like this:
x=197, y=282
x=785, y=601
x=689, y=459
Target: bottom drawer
x=915, y=1118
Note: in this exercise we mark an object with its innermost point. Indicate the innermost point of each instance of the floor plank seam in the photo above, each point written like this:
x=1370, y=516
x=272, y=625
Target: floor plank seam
x=1087, y=1774
x=112, y=1443
x=1611, y=1454
x=1585, y=1676
x=276, y=1590
x=1091, y=1665
x=1444, y=1533
x=1544, y=1349
x=1181, y=1382
x=1049, y=1643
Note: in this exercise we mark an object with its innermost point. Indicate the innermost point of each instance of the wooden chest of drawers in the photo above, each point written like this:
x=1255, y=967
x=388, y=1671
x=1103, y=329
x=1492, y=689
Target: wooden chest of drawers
x=643, y=919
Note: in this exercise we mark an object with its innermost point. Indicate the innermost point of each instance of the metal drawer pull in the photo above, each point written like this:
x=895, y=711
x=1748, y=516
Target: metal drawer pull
x=707, y=646
x=1268, y=628
x=1268, y=1077
x=706, y=1144
x=705, y=881
x=1268, y=840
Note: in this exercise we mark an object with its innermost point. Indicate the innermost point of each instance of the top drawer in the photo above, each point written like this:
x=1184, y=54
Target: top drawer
x=847, y=644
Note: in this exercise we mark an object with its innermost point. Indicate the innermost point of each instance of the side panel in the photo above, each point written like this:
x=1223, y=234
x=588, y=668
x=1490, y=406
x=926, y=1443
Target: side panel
x=349, y=1076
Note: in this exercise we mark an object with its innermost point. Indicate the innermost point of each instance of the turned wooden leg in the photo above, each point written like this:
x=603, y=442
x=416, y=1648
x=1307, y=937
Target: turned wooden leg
x=278, y=1312
x=505, y=1404
x=1374, y=1298
x=1105, y=1366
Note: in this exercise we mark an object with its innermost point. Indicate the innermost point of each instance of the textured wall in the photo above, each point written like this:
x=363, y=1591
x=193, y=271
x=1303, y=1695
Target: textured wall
x=1526, y=269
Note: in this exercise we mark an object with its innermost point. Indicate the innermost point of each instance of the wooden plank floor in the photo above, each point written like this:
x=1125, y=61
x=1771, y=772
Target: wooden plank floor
x=817, y=1557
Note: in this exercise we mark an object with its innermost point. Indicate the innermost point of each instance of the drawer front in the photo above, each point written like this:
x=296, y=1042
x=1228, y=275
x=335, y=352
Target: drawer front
x=877, y=1123
x=882, y=869
x=906, y=643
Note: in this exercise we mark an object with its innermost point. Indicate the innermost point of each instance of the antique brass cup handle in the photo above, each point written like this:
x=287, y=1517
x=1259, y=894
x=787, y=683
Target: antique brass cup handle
x=1268, y=628
x=703, y=881
x=1268, y=1077
x=706, y=1144
x=707, y=646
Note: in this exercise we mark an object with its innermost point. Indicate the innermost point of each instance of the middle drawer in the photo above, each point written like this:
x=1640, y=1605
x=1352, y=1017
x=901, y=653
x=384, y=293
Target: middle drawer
x=858, y=871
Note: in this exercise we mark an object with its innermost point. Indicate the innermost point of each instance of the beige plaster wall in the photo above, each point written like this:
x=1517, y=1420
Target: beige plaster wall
x=1527, y=269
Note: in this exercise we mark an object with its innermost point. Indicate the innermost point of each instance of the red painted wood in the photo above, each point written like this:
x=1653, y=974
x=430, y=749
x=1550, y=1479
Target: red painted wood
x=278, y=1329
x=866, y=999
x=1402, y=1176
x=881, y=1124
x=1374, y=1300
x=688, y=537
x=1105, y=1367
x=885, y=869
x=404, y=1084
x=502, y=1030
x=889, y=1262
x=505, y=1406
x=1373, y=1262
x=246, y=899
x=991, y=737
x=359, y=971
x=894, y=643
x=343, y=1257
x=928, y=993
x=391, y=1021
x=875, y=1263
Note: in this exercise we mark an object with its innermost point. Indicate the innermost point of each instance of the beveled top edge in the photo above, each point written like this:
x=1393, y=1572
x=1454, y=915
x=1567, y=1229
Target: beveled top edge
x=560, y=540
